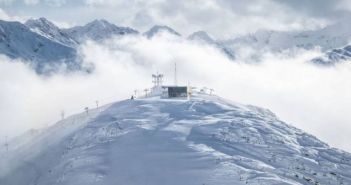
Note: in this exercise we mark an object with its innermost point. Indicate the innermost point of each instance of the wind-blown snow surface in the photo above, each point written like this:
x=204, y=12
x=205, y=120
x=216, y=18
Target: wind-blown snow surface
x=205, y=140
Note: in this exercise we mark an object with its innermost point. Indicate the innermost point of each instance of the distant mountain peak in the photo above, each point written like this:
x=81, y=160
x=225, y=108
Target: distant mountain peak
x=201, y=36
x=98, y=30
x=334, y=56
x=158, y=29
x=42, y=23
x=44, y=27
x=46, y=46
x=102, y=23
x=41, y=45
x=40, y=20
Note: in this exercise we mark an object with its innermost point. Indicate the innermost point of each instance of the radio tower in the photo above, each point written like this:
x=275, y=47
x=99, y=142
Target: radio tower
x=157, y=79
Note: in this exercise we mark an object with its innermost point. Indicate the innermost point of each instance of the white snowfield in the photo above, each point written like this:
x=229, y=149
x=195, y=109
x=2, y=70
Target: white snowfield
x=204, y=140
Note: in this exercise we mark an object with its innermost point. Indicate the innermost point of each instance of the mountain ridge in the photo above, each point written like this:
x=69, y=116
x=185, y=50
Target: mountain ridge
x=18, y=41
x=204, y=140
x=47, y=47
x=44, y=27
x=98, y=30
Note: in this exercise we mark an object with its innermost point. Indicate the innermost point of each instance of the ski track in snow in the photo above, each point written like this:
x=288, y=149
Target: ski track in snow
x=206, y=140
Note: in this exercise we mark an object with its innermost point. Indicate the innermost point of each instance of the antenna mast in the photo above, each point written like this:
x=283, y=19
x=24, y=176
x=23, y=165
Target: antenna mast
x=6, y=144
x=175, y=73
x=62, y=115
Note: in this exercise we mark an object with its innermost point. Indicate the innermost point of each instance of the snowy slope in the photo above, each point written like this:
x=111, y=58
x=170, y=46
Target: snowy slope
x=18, y=41
x=98, y=30
x=47, y=29
x=157, y=29
x=205, y=140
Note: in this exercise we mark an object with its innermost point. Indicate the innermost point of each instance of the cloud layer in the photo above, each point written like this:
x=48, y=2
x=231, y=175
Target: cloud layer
x=314, y=99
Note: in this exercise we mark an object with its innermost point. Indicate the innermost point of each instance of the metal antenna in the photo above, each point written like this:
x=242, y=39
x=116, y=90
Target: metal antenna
x=146, y=90
x=175, y=73
x=157, y=79
x=87, y=110
x=211, y=91
x=160, y=79
x=154, y=80
x=62, y=114
x=6, y=144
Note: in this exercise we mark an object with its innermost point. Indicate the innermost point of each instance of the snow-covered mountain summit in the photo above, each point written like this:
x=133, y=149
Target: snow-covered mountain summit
x=48, y=48
x=157, y=29
x=204, y=140
x=98, y=30
x=19, y=42
x=49, y=30
x=201, y=36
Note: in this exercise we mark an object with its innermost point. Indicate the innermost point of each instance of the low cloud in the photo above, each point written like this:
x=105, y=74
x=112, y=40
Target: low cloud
x=5, y=16
x=315, y=99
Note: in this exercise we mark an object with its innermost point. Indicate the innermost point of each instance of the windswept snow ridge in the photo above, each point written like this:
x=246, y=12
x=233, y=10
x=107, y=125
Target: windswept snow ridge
x=205, y=140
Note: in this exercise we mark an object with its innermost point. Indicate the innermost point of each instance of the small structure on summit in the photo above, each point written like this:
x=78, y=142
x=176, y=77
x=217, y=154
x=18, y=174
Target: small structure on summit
x=166, y=91
x=171, y=91
x=175, y=92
